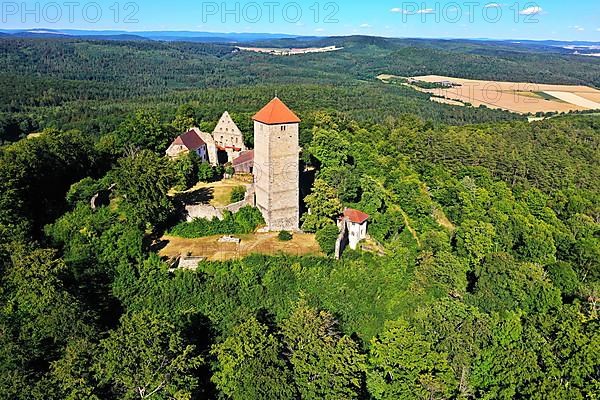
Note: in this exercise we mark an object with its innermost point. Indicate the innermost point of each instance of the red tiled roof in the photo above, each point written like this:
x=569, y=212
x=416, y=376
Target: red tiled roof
x=355, y=216
x=191, y=140
x=225, y=148
x=276, y=113
x=245, y=157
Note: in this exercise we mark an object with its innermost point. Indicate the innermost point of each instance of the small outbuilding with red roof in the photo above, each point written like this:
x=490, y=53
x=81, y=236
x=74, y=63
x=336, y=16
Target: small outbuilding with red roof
x=355, y=222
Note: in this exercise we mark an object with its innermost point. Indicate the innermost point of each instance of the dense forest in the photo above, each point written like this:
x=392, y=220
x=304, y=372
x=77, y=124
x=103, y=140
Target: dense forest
x=93, y=85
x=487, y=285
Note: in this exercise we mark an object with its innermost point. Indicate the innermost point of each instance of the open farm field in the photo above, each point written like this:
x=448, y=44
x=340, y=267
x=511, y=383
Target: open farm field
x=290, y=51
x=519, y=97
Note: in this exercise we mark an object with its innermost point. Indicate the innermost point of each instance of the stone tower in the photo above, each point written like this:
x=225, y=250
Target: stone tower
x=277, y=166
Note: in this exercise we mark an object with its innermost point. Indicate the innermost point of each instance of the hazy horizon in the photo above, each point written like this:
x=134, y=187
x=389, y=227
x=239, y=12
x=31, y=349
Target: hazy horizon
x=544, y=20
x=208, y=34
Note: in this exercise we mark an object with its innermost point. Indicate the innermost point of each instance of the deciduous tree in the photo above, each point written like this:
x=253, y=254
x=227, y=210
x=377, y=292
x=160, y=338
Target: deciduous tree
x=147, y=357
x=326, y=364
x=403, y=365
x=144, y=179
x=251, y=364
x=324, y=206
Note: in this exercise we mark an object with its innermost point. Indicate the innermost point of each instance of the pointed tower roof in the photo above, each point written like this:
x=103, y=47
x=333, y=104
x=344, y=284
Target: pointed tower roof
x=276, y=112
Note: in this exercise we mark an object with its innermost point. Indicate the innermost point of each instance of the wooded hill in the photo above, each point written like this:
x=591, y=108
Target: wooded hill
x=487, y=285
x=68, y=83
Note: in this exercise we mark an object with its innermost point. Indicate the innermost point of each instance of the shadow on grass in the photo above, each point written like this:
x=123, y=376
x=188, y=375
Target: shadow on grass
x=158, y=245
x=200, y=196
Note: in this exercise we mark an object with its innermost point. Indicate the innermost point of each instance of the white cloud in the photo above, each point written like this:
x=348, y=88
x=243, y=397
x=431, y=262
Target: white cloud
x=493, y=5
x=410, y=12
x=579, y=28
x=534, y=10
x=598, y=29
x=319, y=30
x=365, y=26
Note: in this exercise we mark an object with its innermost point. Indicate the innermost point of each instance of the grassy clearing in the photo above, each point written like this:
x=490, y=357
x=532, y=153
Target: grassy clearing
x=549, y=97
x=442, y=219
x=217, y=194
x=302, y=244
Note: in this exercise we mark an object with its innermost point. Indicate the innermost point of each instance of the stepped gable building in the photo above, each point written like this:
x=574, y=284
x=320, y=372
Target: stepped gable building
x=228, y=137
x=277, y=166
x=223, y=145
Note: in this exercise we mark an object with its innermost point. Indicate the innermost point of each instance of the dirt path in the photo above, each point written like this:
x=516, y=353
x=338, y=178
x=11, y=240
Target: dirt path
x=441, y=218
x=412, y=230
x=391, y=195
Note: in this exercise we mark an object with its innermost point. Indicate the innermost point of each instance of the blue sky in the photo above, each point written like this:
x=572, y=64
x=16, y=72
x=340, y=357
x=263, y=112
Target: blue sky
x=546, y=19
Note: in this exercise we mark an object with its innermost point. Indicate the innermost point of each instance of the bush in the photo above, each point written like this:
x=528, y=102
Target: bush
x=248, y=219
x=285, y=236
x=326, y=237
x=238, y=194
x=244, y=221
x=206, y=173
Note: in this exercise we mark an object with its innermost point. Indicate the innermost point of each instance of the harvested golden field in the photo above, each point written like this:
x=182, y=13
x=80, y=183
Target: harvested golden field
x=593, y=96
x=259, y=243
x=519, y=97
x=574, y=98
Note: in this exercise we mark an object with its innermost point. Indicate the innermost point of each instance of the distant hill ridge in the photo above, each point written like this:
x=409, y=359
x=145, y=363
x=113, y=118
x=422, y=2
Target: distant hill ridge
x=242, y=37
x=188, y=36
